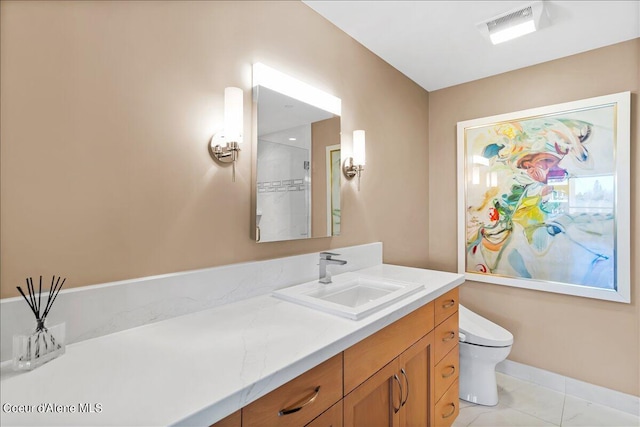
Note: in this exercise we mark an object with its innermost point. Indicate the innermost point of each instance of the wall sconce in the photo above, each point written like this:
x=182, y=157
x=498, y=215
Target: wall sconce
x=231, y=135
x=355, y=165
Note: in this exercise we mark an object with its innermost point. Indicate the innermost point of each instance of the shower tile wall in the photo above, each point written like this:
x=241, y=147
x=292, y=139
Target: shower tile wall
x=283, y=191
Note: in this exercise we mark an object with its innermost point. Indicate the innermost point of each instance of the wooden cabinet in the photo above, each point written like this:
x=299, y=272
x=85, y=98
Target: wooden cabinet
x=369, y=355
x=400, y=393
x=446, y=352
x=405, y=375
x=375, y=402
x=416, y=367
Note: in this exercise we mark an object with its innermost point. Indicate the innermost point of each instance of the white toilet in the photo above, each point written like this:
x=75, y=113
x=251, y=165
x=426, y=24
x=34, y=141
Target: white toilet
x=483, y=344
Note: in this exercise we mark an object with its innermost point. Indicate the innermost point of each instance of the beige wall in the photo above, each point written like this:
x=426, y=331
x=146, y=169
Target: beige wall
x=591, y=340
x=107, y=109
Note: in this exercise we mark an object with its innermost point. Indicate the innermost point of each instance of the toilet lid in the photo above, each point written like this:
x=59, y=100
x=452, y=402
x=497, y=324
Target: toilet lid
x=480, y=331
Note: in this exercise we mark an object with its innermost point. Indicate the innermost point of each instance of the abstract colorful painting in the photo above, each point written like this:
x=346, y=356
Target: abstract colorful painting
x=541, y=198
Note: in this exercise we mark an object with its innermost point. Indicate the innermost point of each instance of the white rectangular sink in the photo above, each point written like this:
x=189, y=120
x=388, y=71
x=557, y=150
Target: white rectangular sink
x=351, y=295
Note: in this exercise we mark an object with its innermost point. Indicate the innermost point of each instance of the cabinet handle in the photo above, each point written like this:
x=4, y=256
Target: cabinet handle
x=301, y=404
x=406, y=379
x=448, y=374
x=453, y=410
x=450, y=303
x=450, y=335
x=395, y=410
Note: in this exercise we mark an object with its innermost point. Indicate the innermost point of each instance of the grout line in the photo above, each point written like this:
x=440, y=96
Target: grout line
x=564, y=405
x=535, y=416
x=477, y=416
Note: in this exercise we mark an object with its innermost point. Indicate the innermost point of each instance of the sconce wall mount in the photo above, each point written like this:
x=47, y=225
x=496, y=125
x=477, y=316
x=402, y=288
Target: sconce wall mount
x=353, y=166
x=350, y=169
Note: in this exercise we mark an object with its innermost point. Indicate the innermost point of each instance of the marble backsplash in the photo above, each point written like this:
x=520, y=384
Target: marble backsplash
x=97, y=310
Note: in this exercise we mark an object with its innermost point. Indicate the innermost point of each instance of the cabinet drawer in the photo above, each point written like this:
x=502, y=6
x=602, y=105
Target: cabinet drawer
x=446, y=305
x=369, y=355
x=446, y=372
x=448, y=407
x=313, y=392
x=446, y=337
x=332, y=417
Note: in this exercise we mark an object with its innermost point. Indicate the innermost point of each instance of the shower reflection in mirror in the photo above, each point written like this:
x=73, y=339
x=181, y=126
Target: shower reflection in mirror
x=297, y=188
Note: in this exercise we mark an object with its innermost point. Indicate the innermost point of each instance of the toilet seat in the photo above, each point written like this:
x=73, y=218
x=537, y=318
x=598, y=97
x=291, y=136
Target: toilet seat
x=475, y=329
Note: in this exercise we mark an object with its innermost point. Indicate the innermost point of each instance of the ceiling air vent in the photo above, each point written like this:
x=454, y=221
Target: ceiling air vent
x=512, y=24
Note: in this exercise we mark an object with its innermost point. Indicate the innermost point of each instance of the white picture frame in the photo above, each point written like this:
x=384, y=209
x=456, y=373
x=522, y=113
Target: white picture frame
x=544, y=198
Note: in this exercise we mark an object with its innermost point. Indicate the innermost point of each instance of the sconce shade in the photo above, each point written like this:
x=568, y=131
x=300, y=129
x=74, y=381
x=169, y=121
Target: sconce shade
x=233, y=112
x=231, y=136
x=358, y=148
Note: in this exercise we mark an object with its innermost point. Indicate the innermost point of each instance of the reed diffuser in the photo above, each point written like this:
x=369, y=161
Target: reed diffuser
x=45, y=342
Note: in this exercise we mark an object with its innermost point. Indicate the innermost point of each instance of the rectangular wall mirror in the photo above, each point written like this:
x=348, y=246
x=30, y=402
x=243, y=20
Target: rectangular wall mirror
x=297, y=162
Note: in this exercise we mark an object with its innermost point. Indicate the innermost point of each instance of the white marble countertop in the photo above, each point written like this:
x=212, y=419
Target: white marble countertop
x=197, y=368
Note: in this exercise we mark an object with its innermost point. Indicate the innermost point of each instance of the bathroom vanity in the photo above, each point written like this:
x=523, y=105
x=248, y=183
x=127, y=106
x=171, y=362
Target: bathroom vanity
x=246, y=362
x=403, y=375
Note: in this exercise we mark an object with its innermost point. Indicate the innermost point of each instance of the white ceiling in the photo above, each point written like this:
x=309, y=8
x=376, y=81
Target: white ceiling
x=437, y=45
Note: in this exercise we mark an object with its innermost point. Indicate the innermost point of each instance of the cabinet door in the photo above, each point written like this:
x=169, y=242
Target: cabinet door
x=375, y=402
x=416, y=367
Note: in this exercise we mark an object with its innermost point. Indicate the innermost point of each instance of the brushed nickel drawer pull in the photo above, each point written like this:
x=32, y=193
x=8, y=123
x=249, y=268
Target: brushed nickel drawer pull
x=395, y=410
x=448, y=374
x=301, y=404
x=450, y=303
x=406, y=379
x=450, y=335
x=453, y=410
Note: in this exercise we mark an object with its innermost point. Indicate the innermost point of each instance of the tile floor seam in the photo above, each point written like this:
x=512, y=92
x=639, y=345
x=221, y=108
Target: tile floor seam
x=474, y=405
x=564, y=402
x=535, y=416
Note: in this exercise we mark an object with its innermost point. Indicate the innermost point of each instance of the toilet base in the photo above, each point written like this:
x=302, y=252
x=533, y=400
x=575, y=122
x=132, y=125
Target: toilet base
x=480, y=387
x=478, y=373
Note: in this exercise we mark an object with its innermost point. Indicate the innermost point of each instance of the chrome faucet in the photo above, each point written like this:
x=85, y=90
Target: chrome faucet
x=326, y=258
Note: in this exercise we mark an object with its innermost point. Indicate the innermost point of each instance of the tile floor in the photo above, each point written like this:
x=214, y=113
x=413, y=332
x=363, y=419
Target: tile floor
x=526, y=404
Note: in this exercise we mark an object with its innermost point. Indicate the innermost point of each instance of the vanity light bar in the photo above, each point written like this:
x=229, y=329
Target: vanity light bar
x=275, y=80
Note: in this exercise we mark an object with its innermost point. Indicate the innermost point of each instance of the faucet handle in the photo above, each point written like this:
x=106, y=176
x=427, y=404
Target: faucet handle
x=327, y=255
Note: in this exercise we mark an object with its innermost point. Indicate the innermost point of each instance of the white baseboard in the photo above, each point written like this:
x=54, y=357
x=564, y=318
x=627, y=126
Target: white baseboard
x=590, y=392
